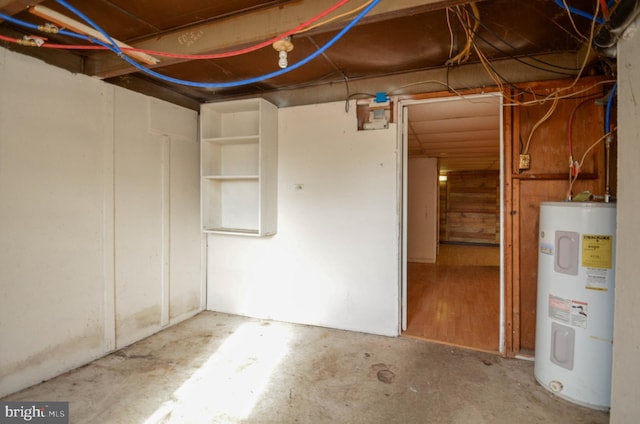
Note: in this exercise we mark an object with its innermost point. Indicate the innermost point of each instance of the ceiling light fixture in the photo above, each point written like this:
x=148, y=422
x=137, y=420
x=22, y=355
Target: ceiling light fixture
x=283, y=47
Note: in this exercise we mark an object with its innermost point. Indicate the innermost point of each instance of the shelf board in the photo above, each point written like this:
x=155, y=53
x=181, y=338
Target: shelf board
x=231, y=177
x=240, y=231
x=238, y=148
x=241, y=139
x=558, y=176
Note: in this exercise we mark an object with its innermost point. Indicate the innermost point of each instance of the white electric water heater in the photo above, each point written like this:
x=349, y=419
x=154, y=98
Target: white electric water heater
x=574, y=324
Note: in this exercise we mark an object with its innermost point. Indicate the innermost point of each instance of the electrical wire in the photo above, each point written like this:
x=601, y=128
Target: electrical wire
x=570, y=16
x=557, y=92
x=450, y=88
x=524, y=54
x=471, y=33
x=497, y=78
x=351, y=12
x=484, y=60
x=478, y=35
x=488, y=68
x=444, y=84
x=451, y=36
x=576, y=167
x=546, y=116
x=573, y=95
x=588, y=52
x=465, y=20
x=573, y=179
x=563, y=4
x=570, y=126
x=297, y=65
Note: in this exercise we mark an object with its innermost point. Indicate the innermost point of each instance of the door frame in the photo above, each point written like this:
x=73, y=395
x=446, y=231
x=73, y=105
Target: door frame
x=403, y=119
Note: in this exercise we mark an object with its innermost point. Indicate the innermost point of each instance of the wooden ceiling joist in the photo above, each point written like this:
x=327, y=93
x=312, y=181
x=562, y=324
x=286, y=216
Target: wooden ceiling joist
x=224, y=34
x=11, y=7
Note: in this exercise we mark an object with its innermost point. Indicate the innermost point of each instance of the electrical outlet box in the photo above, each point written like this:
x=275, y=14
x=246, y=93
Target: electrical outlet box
x=525, y=161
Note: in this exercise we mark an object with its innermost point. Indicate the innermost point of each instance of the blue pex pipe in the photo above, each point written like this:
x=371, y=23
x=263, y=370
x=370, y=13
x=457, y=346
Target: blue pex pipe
x=607, y=116
x=297, y=65
x=18, y=22
x=62, y=31
x=581, y=12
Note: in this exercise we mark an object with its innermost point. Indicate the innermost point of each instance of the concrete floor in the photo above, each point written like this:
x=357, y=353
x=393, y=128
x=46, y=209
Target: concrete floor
x=218, y=368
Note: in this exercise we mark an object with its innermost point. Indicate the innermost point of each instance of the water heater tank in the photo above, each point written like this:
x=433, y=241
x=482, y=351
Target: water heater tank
x=574, y=324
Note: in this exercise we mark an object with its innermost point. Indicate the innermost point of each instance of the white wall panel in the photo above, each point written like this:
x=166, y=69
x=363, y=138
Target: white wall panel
x=51, y=220
x=422, y=213
x=70, y=228
x=138, y=220
x=157, y=235
x=179, y=126
x=625, y=407
x=334, y=261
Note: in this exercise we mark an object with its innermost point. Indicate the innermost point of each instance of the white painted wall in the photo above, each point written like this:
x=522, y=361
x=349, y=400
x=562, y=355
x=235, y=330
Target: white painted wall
x=625, y=407
x=51, y=226
x=334, y=261
x=157, y=238
x=61, y=251
x=422, y=210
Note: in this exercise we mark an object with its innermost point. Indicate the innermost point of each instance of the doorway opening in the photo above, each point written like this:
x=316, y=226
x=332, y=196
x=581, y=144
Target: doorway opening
x=453, y=285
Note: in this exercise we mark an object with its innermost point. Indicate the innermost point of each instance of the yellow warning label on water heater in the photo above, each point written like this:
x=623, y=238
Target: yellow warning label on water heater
x=597, y=251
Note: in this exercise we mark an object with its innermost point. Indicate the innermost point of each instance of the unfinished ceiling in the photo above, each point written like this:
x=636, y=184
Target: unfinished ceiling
x=395, y=42
x=463, y=133
x=399, y=47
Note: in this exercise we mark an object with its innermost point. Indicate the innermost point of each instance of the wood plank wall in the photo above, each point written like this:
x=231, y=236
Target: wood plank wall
x=442, y=212
x=470, y=207
x=546, y=180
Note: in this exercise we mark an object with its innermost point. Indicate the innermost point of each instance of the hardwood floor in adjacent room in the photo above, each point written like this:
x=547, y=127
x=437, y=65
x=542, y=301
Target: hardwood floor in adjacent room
x=456, y=300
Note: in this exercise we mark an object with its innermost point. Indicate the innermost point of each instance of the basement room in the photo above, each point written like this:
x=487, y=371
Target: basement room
x=297, y=211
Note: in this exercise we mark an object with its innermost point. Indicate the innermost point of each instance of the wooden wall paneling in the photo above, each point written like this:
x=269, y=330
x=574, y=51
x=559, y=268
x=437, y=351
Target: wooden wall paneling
x=517, y=327
x=531, y=194
x=473, y=213
x=472, y=227
x=498, y=201
x=509, y=123
x=446, y=233
x=438, y=207
x=443, y=211
x=548, y=180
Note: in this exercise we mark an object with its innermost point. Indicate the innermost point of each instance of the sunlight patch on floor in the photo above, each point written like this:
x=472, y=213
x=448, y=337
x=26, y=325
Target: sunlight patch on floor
x=230, y=383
